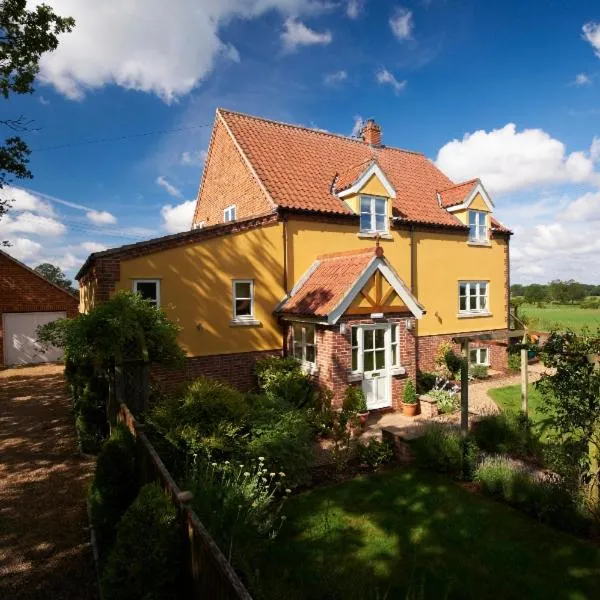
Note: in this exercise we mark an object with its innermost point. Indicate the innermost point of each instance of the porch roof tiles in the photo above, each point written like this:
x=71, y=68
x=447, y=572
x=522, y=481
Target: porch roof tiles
x=327, y=282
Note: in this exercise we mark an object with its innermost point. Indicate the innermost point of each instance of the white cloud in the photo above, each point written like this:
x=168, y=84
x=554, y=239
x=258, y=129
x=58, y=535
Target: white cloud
x=335, y=78
x=591, y=34
x=506, y=160
x=193, y=158
x=354, y=8
x=585, y=208
x=383, y=76
x=582, y=79
x=23, y=249
x=28, y=222
x=101, y=217
x=357, y=127
x=93, y=246
x=595, y=149
x=178, y=218
x=164, y=183
x=146, y=46
x=22, y=200
x=298, y=34
x=402, y=23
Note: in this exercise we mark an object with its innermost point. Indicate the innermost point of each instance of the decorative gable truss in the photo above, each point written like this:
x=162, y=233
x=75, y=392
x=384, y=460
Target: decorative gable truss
x=354, y=283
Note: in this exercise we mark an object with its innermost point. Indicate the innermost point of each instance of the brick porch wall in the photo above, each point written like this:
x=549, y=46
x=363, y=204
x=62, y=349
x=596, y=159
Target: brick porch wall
x=334, y=356
x=429, y=345
x=236, y=369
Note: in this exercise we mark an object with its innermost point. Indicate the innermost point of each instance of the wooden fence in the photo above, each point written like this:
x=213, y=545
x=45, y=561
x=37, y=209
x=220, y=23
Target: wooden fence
x=209, y=574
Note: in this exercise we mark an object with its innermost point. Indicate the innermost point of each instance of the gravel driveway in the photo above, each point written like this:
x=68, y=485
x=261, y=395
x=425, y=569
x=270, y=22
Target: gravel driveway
x=44, y=537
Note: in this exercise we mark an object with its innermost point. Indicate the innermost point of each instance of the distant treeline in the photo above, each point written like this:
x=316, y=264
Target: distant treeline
x=563, y=292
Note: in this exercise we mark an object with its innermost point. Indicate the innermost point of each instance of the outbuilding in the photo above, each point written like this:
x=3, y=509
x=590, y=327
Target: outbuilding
x=28, y=300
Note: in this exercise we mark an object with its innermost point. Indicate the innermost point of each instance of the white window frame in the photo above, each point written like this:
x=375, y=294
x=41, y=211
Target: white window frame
x=135, y=282
x=479, y=352
x=302, y=344
x=242, y=318
x=393, y=366
x=229, y=214
x=373, y=220
x=199, y=225
x=480, y=225
x=476, y=286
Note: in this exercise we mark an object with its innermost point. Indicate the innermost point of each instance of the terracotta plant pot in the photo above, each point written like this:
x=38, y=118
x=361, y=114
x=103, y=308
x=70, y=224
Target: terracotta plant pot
x=363, y=417
x=410, y=410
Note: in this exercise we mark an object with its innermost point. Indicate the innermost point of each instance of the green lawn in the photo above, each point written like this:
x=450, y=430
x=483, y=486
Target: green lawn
x=560, y=316
x=377, y=537
x=509, y=398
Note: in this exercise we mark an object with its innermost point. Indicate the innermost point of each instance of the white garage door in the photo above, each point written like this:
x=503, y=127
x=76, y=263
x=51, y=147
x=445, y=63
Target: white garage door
x=20, y=338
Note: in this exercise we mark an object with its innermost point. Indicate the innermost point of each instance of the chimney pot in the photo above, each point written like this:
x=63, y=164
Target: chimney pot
x=371, y=133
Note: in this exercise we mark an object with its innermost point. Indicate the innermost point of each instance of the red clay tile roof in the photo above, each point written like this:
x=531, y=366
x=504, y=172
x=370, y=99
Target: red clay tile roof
x=298, y=167
x=331, y=278
x=456, y=194
x=350, y=176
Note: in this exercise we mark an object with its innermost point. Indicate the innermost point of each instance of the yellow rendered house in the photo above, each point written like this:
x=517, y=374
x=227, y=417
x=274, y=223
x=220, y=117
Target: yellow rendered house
x=356, y=258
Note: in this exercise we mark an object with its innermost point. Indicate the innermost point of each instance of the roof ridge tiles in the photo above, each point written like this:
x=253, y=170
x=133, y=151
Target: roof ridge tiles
x=312, y=130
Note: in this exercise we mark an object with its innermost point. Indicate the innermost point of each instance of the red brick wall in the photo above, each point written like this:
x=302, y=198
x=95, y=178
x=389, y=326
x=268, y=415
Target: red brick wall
x=23, y=291
x=334, y=356
x=236, y=369
x=227, y=180
x=428, y=347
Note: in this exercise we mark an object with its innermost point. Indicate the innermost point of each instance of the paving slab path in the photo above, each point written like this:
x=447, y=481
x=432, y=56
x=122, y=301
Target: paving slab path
x=45, y=551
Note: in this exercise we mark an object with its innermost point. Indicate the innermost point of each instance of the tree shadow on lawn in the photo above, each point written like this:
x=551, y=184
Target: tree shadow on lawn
x=408, y=534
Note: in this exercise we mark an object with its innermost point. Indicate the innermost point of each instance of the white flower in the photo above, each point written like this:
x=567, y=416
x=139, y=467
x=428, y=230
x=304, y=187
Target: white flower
x=271, y=474
x=214, y=464
x=283, y=518
x=261, y=458
x=263, y=479
x=226, y=462
x=281, y=474
x=288, y=491
x=264, y=470
x=246, y=474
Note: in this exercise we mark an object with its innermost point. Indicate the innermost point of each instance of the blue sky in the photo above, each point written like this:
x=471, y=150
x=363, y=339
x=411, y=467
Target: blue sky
x=507, y=91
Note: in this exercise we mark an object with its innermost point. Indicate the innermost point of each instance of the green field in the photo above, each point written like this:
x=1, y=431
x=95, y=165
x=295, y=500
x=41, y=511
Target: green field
x=560, y=316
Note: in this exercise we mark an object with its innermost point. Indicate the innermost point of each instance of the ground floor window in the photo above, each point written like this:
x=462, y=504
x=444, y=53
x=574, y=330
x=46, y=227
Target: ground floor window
x=479, y=356
x=304, y=342
x=148, y=289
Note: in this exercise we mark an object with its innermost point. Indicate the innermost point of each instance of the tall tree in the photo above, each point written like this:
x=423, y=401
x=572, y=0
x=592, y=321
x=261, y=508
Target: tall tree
x=55, y=275
x=536, y=293
x=24, y=36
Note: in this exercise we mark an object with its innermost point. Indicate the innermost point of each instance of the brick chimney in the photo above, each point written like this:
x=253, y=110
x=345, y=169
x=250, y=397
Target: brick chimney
x=371, y=133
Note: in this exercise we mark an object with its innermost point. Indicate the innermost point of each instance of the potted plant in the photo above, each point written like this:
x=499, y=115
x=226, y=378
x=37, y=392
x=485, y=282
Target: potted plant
x=354, y=402
x=410, y=406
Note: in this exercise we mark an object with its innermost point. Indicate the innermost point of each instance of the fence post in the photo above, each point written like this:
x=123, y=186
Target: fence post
x=183, y=501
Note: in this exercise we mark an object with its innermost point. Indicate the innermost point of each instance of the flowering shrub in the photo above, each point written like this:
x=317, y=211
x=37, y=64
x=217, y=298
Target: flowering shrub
x=240, y=504
x=375, y=453
x=447, y=401
x=283, y=378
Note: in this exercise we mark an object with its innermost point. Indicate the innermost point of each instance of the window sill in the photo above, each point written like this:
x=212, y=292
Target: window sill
x=474, y=315
x=398, y=371
x=355, y=377
x=369, y=235
x=245, y=323
x=483, y=244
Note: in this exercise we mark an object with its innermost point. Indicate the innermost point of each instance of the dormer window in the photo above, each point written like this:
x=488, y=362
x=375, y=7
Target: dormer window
x=373, y=214
x=477, y=226
x=229, y=214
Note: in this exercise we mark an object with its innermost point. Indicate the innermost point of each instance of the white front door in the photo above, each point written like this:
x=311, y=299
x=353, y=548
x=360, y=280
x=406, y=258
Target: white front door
x=377, y=381
x=21, y=346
